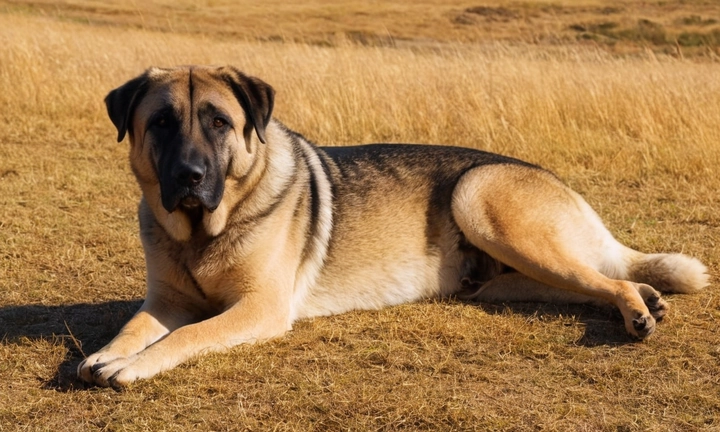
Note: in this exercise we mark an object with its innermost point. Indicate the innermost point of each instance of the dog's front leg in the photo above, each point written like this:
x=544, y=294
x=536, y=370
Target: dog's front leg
x=250, y=320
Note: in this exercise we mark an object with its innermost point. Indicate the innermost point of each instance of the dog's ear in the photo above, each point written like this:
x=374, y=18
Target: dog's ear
x=122, y=101
x=256, y=98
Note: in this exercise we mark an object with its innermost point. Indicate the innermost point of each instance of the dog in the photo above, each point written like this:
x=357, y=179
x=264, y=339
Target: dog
x=247, y=227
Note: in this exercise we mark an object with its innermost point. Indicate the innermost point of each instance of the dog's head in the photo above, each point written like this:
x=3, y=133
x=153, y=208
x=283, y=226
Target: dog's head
x=186, y=125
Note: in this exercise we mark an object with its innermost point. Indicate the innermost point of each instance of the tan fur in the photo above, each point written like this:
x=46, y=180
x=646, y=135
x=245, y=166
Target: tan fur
x=301, y=231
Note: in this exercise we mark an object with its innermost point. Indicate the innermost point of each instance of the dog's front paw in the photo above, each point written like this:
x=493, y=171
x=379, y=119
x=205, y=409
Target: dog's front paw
x=107, y=370
x=116, y=373
x=87, y=367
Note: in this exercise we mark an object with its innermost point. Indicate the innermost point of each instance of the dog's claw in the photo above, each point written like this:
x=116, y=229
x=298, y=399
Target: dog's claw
x=639, y=323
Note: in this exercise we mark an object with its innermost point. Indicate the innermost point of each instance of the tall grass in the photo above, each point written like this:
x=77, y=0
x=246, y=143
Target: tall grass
x=640, y=113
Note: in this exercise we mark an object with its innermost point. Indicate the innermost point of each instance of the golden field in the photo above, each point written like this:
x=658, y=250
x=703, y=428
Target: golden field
x=629, y=121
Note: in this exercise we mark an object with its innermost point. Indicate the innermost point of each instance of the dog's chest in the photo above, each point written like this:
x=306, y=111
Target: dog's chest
x=208, y=275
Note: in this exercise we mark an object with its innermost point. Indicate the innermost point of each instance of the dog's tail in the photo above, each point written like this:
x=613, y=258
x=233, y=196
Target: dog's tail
x=672, y=273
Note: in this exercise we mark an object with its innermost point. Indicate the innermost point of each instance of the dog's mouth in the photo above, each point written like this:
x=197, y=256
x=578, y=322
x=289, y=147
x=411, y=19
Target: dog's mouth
x=203, y=197
x=190, y=202
x=193, y=207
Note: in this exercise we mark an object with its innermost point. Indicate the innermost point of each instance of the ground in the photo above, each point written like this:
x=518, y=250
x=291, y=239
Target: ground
x=620, y=99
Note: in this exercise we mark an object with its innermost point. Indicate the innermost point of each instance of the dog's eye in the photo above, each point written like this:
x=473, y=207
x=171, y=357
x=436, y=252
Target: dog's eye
x=162, y=122
x=219, y=122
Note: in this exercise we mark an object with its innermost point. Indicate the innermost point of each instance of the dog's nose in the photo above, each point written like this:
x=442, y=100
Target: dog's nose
x=190, y=174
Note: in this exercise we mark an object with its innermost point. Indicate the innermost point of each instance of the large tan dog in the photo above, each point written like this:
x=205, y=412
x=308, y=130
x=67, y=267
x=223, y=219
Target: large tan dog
x=248, y=227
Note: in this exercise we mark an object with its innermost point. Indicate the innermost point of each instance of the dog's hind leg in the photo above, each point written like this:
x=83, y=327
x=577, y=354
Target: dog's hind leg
x=516, y=287
x=527, y=219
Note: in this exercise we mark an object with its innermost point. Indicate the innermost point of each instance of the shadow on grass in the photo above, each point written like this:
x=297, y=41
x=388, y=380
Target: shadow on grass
x=82, y=328
x=603, y=325
x=85, y=328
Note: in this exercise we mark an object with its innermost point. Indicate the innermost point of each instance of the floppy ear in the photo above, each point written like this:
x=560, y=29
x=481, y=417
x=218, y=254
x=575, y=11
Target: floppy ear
x=256, y=98
x=122, y=101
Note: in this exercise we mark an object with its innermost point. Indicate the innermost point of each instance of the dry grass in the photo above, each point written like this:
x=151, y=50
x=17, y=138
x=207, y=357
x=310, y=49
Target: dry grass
x=677, y=27
x=638, y=136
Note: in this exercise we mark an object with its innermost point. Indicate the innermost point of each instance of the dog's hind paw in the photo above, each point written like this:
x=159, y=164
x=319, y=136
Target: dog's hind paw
x=657, y=307
x=641, y=327
x=654, y=302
